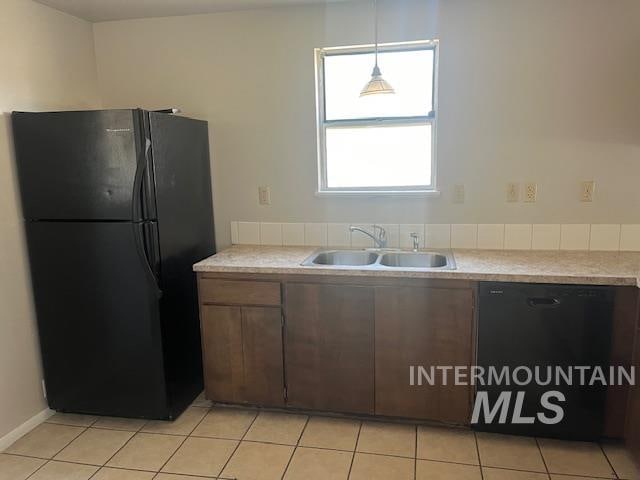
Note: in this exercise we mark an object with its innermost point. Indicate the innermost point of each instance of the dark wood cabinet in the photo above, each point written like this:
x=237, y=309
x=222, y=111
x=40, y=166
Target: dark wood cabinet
x=262, y=354
x=345, y=345
x=242, y=348
x=222, y=352
x=421, y=326
x=329, y=347
x=633, y=411
x=223, y=291
x=625, y=310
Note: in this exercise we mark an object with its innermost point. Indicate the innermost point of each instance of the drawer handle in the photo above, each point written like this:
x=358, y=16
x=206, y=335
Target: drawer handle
x=543, y=302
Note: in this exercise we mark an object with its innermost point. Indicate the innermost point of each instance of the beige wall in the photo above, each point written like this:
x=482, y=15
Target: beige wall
x=47, y=63
x=530, y=90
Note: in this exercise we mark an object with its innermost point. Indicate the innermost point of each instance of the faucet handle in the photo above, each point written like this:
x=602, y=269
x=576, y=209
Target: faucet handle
x=416, y=240
x=382, y=235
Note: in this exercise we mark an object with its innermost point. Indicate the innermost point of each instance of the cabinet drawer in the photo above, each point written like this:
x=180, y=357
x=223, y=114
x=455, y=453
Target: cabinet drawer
x=239, y=292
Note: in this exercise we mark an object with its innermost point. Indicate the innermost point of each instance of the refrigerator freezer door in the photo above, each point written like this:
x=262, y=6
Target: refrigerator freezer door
x=98, y=319
x=180, y=148
x=80, y=165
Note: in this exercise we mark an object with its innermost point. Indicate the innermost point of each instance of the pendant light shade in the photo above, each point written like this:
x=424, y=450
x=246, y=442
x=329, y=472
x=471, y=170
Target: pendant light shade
x=377, y=84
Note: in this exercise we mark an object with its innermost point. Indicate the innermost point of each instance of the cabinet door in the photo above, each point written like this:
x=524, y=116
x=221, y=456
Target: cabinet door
x=417, y=326
x=243, y=354
x=633, y=414
x=262, y=356
x=329, y=347
x=222, y=353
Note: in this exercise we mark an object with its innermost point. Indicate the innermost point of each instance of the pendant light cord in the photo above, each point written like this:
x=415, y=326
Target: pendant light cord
x=375, y=10
x=376, y=84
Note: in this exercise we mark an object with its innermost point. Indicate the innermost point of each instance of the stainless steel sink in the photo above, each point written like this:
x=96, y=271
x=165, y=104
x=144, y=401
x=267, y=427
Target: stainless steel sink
x=382, y=260
x=345, y=258
x=414, y=260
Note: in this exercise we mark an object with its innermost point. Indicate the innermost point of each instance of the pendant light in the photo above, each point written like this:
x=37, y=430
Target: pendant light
x=377, y=84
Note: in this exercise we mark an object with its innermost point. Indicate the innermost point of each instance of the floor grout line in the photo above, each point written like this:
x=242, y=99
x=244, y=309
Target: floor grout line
x=544, y=462
x=184, y=439
x=83, y=429
x=131, y=438
x=76, y=463
x=115, y=453
x=142, y=429
x=109, y=429
x=68, y=443
x=475, y=436
x=156, y=475
x=452, y=463
x=293, y=445
x=90, y=423
x=355, y=449
x=113, y=467
x=306, y=447
x=415, y=457
x=615, y=472
x=239, y=443
x=295, y=448
x=38, y=469
x=25, y=456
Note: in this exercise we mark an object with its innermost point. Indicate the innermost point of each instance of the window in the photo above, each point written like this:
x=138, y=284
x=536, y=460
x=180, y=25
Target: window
x=377, y=143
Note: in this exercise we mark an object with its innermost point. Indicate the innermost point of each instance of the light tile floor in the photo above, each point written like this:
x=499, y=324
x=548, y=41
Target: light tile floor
x=244, y=444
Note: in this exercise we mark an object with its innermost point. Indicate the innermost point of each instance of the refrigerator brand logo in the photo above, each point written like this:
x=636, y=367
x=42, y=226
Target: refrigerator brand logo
x=118, y=130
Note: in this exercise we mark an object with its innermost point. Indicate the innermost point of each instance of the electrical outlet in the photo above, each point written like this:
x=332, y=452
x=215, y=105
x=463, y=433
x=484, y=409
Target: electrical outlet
x=513, y=192
x=586, y=194
x=530, y=192
x=458, y=194
x=264, y=195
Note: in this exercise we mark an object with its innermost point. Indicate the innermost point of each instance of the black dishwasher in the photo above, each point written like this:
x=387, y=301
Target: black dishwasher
x=556, y=332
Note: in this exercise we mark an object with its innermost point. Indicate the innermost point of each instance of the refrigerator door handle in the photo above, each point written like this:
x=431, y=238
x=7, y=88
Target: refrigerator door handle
x=137, y=198
x=139, y=233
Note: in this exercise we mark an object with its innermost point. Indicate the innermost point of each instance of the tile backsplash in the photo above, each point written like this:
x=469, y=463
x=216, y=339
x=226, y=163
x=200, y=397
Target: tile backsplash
x=600, y=237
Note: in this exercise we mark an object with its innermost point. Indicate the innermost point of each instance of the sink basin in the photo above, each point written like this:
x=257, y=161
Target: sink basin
x=382, y=260
x=345, y=257
x=414, y=260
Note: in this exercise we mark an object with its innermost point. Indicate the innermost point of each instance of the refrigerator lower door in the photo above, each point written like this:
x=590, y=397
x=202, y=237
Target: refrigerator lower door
x=98, y=319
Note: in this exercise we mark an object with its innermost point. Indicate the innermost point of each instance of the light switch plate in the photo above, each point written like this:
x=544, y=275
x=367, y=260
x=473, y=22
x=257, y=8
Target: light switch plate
x=264, y=195
x=513, y=192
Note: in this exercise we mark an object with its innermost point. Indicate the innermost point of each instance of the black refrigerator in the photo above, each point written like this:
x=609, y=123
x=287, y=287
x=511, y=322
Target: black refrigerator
x=117, y=207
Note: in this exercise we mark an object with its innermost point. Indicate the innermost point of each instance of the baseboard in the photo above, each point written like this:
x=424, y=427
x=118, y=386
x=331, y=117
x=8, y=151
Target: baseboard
x=25, y=428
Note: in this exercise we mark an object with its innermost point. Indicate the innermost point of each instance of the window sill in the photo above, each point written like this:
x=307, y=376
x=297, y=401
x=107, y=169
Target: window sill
x=378, y=193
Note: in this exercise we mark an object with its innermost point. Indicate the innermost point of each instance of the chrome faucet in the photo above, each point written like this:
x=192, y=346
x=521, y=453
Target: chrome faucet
x=379, y=235
x=416, y=241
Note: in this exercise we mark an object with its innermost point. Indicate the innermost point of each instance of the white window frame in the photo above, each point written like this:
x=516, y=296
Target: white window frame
x=322, y=123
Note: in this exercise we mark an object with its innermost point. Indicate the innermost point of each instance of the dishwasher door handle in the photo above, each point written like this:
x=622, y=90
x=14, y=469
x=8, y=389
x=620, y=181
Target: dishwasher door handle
x=543, y=302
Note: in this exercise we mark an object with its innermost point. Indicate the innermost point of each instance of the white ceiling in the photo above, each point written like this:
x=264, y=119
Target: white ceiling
x=103, y=10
